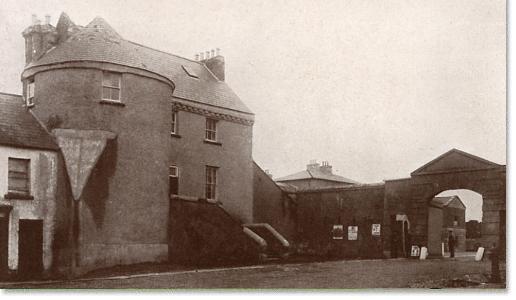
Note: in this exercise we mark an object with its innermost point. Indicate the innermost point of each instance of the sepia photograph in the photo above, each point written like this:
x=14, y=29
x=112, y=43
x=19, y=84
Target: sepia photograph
x=262, y=145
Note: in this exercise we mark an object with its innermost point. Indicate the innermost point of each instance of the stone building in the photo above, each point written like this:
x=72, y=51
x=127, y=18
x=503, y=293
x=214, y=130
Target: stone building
x=130, y=126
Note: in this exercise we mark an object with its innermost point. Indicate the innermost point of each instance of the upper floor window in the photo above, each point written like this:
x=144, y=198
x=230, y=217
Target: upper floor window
x=30, y=92
x=18, y=177
x=173, y=124
x=173, y=179
x=211, y=130
x=111, y=86
x=211, y=182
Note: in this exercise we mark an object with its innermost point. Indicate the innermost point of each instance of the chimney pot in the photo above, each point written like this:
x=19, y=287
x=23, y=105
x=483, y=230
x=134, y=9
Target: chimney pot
x=207, y=54
x=47, y=19
x=218, y=51
x=212, y=52
x=34, y=19
x=197, y=57
x=202, y=55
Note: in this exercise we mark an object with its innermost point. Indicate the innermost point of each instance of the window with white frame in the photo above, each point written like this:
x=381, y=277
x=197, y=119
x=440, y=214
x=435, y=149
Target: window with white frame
x=111, y=86
x=173, y=179
x=211, y=130
x=18, y=176
x=211, y=182
x=173, y=124
x=30, y=92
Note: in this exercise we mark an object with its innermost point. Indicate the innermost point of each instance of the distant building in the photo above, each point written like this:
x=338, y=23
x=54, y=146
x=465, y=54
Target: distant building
x=316, y=176
x=447, y=214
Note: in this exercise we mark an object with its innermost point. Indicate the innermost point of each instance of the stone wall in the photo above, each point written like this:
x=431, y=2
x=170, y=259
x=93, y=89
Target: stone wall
x=353, y=206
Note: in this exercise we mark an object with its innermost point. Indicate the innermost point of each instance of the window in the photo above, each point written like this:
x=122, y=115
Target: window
x=211, y=130
x=211, y=182
x=173, y=125
x=111, y=86
x=173, y=179
x=19, y=179
x=30, y=92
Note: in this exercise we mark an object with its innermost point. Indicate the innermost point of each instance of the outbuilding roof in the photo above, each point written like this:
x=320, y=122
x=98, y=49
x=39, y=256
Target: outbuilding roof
x=19, y=128
x=442, y=202
x=100, y=43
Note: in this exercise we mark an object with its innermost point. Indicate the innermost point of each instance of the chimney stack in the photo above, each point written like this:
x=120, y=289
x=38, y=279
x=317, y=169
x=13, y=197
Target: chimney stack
x=313, y=165
x=326, y=168
x=38, y=38
x=215, y=63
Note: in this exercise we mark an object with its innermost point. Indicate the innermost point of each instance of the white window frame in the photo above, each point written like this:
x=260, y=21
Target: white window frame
x=211, y=182
x=112, y=87
x=9, y=175
x=175, y=173
x=211, y=130
x=173, y=124
x=31, y=86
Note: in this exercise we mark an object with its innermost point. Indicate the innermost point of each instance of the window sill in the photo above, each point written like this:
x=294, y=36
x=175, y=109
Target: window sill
x=30, y=105
x=18, y=196
x=112, y=102
x=212, y=142
x=175, y=135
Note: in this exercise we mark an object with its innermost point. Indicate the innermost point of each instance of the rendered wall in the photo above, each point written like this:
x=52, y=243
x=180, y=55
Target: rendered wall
x=123, y=212
x=43, y=187
x=233, y=157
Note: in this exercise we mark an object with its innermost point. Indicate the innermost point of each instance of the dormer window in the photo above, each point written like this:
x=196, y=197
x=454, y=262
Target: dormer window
x=111, y=83
x=30, y=92
x=190, y=72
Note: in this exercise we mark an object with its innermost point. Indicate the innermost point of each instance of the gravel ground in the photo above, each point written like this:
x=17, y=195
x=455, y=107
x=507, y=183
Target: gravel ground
x=350, y=274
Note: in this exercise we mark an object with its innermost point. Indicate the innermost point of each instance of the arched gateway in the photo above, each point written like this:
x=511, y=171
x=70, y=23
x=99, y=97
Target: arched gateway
x=453, y=170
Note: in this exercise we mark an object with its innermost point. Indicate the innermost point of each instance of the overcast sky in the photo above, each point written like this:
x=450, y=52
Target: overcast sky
x=377, y=88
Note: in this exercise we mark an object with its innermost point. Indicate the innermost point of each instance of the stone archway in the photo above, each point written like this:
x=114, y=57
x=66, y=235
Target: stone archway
x=460, y=170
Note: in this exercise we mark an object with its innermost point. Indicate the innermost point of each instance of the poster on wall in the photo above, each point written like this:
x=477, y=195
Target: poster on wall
x=352, y=233
x=338, y=232
x=375, y=229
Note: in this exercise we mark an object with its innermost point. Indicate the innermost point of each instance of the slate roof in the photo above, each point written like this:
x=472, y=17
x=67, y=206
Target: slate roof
x=19, y=128
x=442, y=202
x=316, y=174
x=100, y=43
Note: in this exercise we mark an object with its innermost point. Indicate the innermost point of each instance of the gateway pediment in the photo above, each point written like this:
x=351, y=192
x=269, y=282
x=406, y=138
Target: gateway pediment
x=455, y=161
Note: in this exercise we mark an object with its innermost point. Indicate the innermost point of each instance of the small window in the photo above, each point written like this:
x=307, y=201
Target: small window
x=211, y=182
x=30, y=92
x=190, y=72
x=111, y=86
x=19, y=179
x=173, y=124
x=173, y=171
x=211, y=130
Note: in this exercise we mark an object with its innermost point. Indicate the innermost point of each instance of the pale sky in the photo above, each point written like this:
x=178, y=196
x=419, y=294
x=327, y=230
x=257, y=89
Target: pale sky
x=377, y=88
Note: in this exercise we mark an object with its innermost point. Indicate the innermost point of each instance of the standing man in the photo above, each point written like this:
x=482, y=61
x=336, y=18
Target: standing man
x=451, y=243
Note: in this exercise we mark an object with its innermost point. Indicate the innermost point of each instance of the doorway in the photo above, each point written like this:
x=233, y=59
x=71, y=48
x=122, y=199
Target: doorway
x=30, y=248
x=4, y=241
x=457, y=213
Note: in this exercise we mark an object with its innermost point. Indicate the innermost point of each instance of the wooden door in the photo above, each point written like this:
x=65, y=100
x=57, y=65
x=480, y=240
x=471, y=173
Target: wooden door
x=30, y=248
